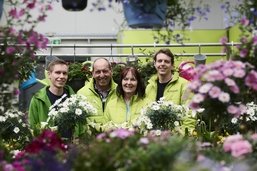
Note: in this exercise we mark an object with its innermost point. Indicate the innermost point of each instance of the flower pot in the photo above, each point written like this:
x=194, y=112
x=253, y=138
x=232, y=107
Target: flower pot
x=76, y=83
x=145, y=14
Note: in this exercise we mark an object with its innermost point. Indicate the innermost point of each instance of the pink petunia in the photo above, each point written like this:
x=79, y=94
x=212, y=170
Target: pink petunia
x=241, y=148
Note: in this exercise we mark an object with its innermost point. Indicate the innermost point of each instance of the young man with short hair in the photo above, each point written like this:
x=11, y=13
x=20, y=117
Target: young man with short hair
x=57, y=71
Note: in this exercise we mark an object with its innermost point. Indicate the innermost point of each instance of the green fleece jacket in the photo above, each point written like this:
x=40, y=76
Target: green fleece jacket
x=172, y=92
x=94, y=98
x=39, y=107
x=118, y=112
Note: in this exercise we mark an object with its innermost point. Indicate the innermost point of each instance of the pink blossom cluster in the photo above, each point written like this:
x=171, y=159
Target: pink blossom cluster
x=221, y=82
x=120, y=133
x=20, y=41
x=237, y=146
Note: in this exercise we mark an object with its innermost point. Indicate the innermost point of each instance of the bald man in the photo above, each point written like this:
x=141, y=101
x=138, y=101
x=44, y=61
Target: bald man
x=100, y=88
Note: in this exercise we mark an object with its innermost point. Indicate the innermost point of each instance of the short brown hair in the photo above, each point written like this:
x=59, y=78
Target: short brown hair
x=167, y=52
x=56, y=62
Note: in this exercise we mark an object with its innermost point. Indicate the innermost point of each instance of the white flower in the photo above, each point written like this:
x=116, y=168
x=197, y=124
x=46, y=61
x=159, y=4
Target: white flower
x=155, y=107
x=176, y=123
x=234, y=120
x=158, y=132
x=2, y=119
x=16, y=130
x=43, y=125
x=78, y=112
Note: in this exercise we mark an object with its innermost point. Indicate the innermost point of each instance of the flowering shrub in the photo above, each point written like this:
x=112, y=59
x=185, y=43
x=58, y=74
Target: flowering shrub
x=73, y=111
x=161, y=115
x=14, y=129
x=19, y=43
x=222, y=89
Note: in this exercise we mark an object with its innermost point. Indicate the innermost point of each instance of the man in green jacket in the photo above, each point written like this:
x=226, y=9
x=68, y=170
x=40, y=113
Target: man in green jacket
x=100, y=89
x=168, y=84
x=41, y=101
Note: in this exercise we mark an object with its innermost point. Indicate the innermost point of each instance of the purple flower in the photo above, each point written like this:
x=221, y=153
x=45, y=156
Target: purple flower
x=10, y=50
x=243, y=53
x=244, y=21
x=251, y=80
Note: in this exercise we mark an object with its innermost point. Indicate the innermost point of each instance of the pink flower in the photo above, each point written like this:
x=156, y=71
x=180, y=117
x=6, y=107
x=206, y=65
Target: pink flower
x=240, y=148
x=215, y=92
x=251, y=80
x=224, y=97
x=239, y=73
x=144, y=140
x=198, y=98
x=16, y=13
x=121, y=133
x=232, y=109
x=227, y=72
x=10, y=50
x=230, y=82
x=243, y=53
x=224, y=40
x=205, y=88
x=231, y=140
x=234, y=89
x=255, y=40
x=244, y=21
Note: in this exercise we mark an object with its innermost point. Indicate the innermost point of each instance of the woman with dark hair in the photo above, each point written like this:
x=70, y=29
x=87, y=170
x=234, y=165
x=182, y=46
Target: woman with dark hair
x=130, y=99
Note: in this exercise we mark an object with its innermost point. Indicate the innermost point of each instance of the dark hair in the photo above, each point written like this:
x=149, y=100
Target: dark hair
x=56, y=62
x=167, y=52
x=109, y=64
x=140, y=90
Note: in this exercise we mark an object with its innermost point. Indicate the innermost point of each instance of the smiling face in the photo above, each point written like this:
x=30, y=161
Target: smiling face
x=58, y=75
x=129, y=84
x=102, y=74
x=163, y=65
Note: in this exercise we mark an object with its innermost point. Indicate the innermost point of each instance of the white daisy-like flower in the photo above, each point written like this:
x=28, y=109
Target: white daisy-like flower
x=78, y=111
x=16, y=130
x=176, y=123
x=234, y=120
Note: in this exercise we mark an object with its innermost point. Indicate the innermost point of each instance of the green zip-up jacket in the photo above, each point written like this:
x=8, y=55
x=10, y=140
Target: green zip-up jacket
x=118, y=112
x=39, y=107
x=173, y=91
x=94, y=98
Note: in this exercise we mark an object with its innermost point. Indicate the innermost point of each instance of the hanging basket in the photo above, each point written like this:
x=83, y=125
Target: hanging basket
x=145, y=13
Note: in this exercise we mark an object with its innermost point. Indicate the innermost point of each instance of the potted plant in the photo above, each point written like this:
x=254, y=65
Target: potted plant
x=78, y=74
